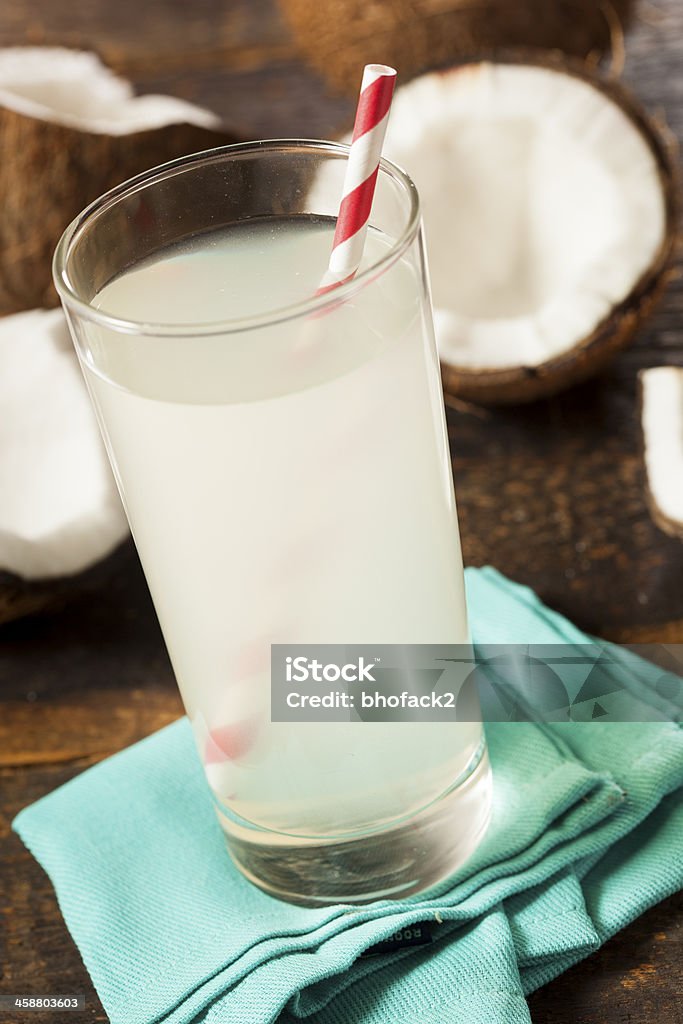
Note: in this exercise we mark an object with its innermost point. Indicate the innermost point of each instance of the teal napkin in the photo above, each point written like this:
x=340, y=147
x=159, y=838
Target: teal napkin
x=587, y=833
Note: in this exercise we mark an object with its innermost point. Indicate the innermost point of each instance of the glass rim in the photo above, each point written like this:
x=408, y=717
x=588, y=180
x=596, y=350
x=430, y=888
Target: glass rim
x=314, y=304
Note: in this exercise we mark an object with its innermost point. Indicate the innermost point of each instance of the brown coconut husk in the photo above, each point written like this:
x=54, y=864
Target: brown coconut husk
x=338, y=37
x=49, y=172
x=20, y=598
x=593, y=353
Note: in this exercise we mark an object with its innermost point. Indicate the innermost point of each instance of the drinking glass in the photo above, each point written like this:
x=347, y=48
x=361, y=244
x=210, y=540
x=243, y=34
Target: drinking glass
x=283, y=461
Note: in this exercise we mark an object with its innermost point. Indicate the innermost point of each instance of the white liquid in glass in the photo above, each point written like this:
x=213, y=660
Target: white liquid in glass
x=289, y=484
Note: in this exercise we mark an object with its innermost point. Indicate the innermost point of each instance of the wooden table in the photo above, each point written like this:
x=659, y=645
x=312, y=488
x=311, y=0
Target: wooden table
x=551, y=494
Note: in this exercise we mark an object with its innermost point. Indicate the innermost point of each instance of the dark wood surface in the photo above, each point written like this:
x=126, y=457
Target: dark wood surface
x=551, y=494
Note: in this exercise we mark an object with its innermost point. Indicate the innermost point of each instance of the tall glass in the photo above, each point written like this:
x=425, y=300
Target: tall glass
x=284, y=464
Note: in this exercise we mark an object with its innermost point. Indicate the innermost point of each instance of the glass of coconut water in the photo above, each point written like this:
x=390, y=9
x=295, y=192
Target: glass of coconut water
x=284, y=465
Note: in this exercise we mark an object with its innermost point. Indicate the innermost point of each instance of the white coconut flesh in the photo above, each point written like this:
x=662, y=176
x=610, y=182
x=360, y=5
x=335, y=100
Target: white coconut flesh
x=542, y=206
x=73, y=88
x=59, y=508
x=662, y=419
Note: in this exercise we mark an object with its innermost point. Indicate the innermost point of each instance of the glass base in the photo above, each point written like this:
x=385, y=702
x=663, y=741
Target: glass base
x=398, y=861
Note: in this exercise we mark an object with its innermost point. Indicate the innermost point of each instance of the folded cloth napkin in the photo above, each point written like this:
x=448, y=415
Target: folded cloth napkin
x=587, y=832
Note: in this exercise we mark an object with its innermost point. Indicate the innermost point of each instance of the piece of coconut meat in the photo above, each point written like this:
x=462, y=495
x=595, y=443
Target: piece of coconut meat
x=75, y=89
x=542, y=206
x=59, y=508
x=662, y=421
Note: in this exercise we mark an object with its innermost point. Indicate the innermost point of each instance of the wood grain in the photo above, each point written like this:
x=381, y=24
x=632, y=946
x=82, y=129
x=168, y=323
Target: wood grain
x=551, y=494
x=634, y=979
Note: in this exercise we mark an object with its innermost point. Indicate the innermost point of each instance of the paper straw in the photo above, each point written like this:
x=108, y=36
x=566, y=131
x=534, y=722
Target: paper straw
x=372, y=117
x=231, y=740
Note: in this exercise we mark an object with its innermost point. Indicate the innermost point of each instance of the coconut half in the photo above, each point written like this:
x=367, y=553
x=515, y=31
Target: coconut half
x=60, y=512
x=339, y=36
x=661, y=391
x=70, y=130
x=549, y=207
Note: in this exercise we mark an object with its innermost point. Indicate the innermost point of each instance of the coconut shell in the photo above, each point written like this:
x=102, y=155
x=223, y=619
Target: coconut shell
x=594, y=353
x=49, y=172
x=20, y=597
x=338, y=37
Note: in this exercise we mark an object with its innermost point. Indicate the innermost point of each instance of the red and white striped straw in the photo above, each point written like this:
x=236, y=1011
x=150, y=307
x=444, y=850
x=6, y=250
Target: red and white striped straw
x=372, y=117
